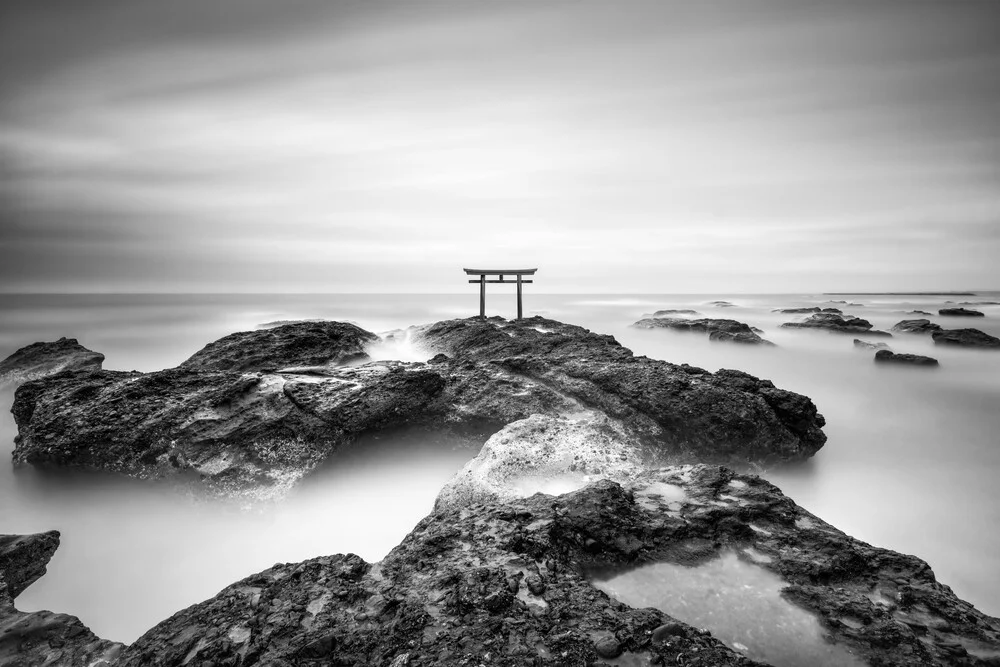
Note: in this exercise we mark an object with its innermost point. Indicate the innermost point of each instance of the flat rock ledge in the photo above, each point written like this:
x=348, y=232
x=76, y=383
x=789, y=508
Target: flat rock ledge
x=717, y=329
x=39, y=360
x=889, y=357
x=966, y=338
x=41, y=638
x=960, y=312
x=511, y=583
x=252, y=435
x=836, y=323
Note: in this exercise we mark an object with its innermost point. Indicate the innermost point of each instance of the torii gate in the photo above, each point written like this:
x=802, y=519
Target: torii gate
x=482, y=273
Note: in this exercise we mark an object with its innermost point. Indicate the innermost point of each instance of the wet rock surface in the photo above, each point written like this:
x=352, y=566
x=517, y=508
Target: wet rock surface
x=868, y=345
x=34, y=639
x=888, y=357
x=39, y=360
x=916, y=326
x=966, y=338
x=846, y=324
x=510, y=583
x=960, y=312
x=253, y=435
x=717, y=329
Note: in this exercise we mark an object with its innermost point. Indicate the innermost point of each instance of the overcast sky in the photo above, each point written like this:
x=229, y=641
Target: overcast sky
x=308, y=145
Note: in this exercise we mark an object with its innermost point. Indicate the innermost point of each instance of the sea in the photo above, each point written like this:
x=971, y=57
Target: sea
x=912, y=462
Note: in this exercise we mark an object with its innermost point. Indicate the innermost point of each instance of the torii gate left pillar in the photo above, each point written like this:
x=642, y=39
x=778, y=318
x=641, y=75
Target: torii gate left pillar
x=518, y=274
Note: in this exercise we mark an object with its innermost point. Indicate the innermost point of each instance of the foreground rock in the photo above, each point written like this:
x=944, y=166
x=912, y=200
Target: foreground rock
x=888, y=357
x=960, y=312
x=34, y=639
x=835, y=323
x=41, y=359
x=254, y=435
x=916, y=326
x=512, y=583
x=717, y=329
x=304, y=343
x=868, y=345
x=965, y=338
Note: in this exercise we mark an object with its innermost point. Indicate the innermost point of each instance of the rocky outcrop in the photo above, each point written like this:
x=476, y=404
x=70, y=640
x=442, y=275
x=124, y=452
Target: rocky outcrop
x=41, y=638
x=918, y=312
x=916, y=326
x=721, y=304
x=675, y=311
x=960, y=312
x=813, y=309
x=254, y=434
x=720, y=330
x=867, y=345
x=513, y=583
x=966, y=338
x=305, y=343
x=888, y=357
x=835, y=323
x=41, y=359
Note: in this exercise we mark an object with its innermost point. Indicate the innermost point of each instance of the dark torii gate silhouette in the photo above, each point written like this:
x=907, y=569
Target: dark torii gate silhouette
x=482, y=273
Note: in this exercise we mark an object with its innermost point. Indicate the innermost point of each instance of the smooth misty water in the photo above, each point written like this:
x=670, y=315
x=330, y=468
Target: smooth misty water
x=911, y=461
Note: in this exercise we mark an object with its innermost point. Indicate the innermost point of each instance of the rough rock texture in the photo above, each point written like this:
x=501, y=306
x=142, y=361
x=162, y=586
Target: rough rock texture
x=916, y=326
x=305, y=343
x=254, y=435
x=835, y=323
x=510, y=583
x=888, y=357
x=34, y=639
x=813, y=309
x=867, y=345
x=41, y=359
x=960, y=312
x=717, y=329
x=966, y=338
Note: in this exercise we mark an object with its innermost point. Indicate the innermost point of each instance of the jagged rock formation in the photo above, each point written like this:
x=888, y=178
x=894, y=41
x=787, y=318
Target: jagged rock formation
x=41, y=638
x=867, y=345
x=966, y=338
x=254, y=434
x=717, y=329
x=42, y=359
x=511, y=583
x=835, y=323
x=960, y=312
x=916, y=326
x=888, y=357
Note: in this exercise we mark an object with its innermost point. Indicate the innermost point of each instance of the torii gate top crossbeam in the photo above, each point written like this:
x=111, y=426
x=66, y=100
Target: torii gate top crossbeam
x=500, y=272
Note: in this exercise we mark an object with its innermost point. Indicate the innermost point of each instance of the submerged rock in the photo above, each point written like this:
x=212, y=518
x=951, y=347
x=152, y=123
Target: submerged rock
x=721, y=330
x=41, y=638
x=965, y=338
x=667, y=313
x=916, y=326
x=919, y=312
x=39, y=360
x=721, y=304
x=813, y=309
x=888, y=357
x=866, y=345
x=304, y=343
x=846, y=324
x=254, y=435
x=960, y=312
x=512, y=583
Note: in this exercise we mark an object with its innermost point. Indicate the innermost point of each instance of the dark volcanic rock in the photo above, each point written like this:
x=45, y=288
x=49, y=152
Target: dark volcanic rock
x=960, y=312
x=965, y=338
x=305, y=343
x=813, y=309
x=916, y=326
x=41, y=359
x=887, y=357
x=255, y=434
x=41, y=638
x=722, y=330
x=837, y=324
x=866, y=345
x=512, y=584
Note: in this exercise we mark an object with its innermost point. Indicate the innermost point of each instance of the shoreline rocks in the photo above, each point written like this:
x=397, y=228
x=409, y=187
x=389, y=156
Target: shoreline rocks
x=889, y=357
x=916, y=326
x=966, y=338
x=717, y=329
x=832, y=322
x=960, y=312
x=39, y=360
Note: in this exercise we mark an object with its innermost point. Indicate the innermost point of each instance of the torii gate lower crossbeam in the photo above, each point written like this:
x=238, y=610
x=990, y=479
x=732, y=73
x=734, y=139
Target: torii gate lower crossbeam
x=500, y=273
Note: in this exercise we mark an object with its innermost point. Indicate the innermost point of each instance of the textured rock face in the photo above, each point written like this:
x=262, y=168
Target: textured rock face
x=888, y=357
x=916, y=326
x=866, y=345
x=966, y=338
x=254, y=435
x=846, y=324
x=960, y=312
x=306, y=343
x=722, y=330
x=34, y=639
x=39, y=360
x=510, y=583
